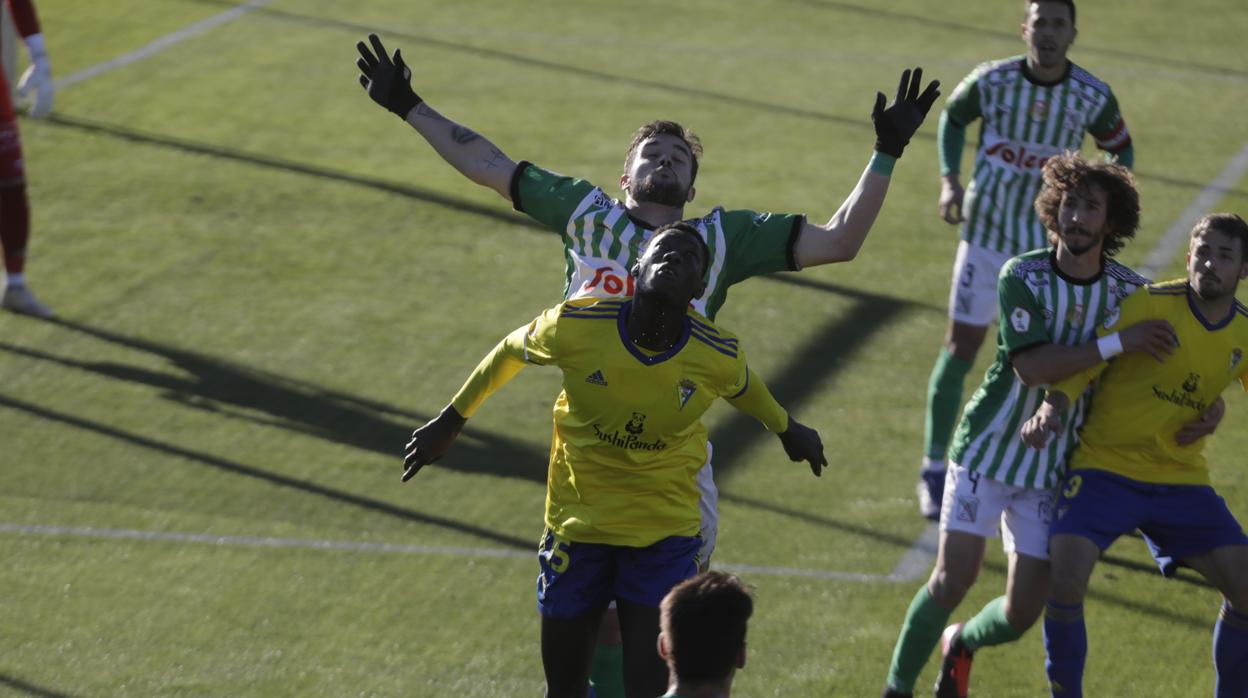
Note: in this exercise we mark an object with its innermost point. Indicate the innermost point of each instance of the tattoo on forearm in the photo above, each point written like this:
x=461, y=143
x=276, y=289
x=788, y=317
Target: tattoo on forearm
x=496, y=158
x=463, y=135
x=425, y=110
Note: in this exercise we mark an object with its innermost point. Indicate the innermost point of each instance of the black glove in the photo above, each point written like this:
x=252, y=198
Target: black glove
x=803, y=443
x=387, y=82
x=895, y=125
x=431, y=441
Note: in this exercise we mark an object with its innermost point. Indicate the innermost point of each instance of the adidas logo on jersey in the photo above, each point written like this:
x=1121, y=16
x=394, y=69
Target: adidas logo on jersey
x=596, y=378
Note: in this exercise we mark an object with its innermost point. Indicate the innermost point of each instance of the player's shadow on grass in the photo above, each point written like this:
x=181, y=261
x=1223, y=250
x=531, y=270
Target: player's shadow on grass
x=30, y=689
x=238, y=392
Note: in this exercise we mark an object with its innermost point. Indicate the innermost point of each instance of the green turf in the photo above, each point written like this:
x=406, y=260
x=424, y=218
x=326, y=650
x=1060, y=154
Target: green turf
x=265, y=282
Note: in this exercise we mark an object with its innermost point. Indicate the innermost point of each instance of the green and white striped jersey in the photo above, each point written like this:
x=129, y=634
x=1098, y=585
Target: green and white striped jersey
x=601, y=242
x=1025, y=122
x=1038, y=305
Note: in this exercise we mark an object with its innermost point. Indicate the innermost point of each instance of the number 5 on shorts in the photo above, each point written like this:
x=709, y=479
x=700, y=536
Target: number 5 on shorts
x=556, y=553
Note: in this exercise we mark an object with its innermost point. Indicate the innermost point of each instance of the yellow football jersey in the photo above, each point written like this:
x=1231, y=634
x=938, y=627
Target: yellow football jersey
x=628, y=437
x=1139, y=405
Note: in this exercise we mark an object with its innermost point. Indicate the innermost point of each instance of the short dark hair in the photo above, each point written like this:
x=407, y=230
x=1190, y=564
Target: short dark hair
x=1230, y=225
x=1068, y=3
x=1069, y=172
x=687, y=229
x=704, y=621
x=666, y=128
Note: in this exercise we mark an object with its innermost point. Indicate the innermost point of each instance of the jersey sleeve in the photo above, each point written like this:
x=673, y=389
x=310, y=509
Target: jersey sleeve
x=963, y=105
x=531, y=344
x=547, y=197
x=1022, y=318
x=1109, y=129
x=749, y=394
x=759, y=243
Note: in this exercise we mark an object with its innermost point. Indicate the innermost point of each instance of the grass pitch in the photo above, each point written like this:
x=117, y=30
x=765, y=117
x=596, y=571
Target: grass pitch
x=265, y=282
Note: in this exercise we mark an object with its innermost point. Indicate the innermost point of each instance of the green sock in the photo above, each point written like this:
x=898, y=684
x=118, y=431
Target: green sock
x=606, y=672
x=990, y=627
x=944, y=399
x=925, y=621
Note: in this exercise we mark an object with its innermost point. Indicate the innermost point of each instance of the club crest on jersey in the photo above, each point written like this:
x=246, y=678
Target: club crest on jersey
x=1039, y=110
x=1237, y=355
x=1074, y=315
x=637, y=424
x=1111, y=317
x=685, y=390
x=1192, y=383
x=1020, y=320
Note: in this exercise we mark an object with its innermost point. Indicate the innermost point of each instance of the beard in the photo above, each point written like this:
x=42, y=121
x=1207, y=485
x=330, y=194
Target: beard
x=1212, y=289
x=665, y=193
x=1082, y=245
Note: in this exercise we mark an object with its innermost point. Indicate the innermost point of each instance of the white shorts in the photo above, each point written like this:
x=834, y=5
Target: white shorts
x=982, y=506
x=708, y=505
x=973, y=292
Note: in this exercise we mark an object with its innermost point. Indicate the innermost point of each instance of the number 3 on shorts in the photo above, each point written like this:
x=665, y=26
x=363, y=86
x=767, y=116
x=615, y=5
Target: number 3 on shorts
x=1072, y=487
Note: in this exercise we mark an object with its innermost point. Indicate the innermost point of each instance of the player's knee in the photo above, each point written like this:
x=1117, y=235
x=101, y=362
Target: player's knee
x=949, y=586
x=1023, y=613
x=1067, y=588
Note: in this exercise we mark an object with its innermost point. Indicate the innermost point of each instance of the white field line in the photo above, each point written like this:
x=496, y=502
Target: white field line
x=158, y=45
x=902, y=573
x=1173, y=242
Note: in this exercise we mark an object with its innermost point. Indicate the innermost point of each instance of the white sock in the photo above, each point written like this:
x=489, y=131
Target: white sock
x=17, y=279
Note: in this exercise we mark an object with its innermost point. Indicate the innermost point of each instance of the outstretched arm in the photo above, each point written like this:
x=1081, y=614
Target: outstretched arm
x=800, y=441
x=525, y=345
x=388, y=82
x=841, y=237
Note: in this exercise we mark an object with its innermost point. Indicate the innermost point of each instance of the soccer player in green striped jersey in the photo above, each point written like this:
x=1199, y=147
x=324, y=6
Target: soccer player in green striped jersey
x=602, y=236
x=1051, y=301
x=1030, y=108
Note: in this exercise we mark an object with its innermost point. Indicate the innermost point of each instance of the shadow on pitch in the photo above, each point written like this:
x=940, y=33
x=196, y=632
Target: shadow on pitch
x=238, y=392
x=272, y=478
x=30, y=689
x=929, y=20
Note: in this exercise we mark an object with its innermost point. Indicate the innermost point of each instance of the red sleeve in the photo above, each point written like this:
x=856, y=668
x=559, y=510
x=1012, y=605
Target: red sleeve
x=24, y=17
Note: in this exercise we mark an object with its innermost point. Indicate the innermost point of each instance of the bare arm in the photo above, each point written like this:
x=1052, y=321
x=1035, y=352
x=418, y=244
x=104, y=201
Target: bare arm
x=464, y=149
x=840, y=239
x=1049, y=363
x=387, y=80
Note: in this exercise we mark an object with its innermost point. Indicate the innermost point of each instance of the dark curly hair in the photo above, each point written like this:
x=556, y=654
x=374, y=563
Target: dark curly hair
x=1069, y=172
x=667, y=128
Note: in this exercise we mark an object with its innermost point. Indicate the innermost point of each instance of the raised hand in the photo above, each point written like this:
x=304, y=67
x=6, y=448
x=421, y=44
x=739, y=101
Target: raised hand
x=895, y=125
x=388, y=82
x=431, y=441
x=803, y=443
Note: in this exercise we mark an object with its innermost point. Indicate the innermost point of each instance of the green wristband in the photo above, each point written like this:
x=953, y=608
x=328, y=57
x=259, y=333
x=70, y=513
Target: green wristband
x=882, y=164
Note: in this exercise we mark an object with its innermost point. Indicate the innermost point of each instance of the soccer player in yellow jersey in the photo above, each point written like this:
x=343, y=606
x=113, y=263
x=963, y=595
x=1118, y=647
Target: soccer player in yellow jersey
x=1130, y=472
x=622, y=515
